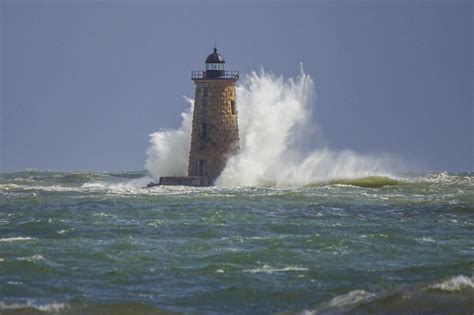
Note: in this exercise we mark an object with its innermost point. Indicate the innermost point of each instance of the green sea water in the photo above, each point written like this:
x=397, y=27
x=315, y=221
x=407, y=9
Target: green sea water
x=98, y=243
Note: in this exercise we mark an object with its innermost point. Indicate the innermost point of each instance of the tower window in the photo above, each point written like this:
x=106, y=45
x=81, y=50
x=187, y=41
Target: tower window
x=202, y=168
x=232, y=107
x=204, y=131
x=204, y=91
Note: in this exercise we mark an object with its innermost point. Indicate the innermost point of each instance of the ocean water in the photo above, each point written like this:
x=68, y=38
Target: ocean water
x=98, y=243
x=292, y=227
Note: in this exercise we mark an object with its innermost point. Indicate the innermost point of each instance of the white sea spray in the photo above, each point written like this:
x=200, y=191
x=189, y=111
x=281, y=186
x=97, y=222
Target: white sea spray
x=122, y=187
x=169, y=149
x=280, y=143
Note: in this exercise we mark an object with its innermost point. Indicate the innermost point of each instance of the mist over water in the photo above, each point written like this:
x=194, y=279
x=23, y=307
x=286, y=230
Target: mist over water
x=280, y=141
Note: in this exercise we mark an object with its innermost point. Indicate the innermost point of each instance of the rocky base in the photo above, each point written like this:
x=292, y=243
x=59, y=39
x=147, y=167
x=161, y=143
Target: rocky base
x=197, y=181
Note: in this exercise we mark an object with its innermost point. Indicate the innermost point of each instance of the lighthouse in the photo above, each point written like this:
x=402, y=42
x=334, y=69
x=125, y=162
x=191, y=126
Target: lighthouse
x=215, y=131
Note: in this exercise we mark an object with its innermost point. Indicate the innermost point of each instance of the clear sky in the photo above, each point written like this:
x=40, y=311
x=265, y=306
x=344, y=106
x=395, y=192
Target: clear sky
x=84, y=83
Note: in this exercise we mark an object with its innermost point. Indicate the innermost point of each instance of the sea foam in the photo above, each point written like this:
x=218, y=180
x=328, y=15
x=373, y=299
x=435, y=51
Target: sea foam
x=52, y=307
x=280, y=143
x=123, y=187
x=456, y=283
x=351, y=298
x=33, y=258
x=269, y=269
x=342, y=303
x=16, y=239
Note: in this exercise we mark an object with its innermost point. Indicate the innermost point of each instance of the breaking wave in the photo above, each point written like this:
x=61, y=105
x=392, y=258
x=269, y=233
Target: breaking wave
x=15, y=239
x=269, y=269
x=438, y=298
x=453, y=284
x=31, y=308
x=369, y=182
x=280, y=142
x=121, y=186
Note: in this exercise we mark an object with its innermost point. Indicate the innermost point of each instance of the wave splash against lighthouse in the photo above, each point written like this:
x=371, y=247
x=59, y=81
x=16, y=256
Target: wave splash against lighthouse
x=279, y=139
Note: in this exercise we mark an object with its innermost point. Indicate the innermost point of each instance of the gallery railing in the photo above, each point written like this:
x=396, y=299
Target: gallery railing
x=231, y=75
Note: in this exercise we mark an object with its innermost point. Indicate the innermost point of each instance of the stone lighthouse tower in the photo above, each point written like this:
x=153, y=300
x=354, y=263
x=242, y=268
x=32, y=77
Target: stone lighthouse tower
x=215, y=132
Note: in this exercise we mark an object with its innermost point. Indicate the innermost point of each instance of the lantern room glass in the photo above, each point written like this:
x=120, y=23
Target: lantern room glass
x=214, y=66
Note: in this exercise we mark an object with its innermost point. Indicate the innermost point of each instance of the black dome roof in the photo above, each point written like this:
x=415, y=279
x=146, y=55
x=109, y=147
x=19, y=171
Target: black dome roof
x=215, y=57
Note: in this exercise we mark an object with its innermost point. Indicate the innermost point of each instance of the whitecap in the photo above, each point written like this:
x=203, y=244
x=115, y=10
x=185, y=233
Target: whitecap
x=16, y=239
x=426, y=239
x=53, y=188
x=134, y=186
x=52, y=307
x=456, y=283
x=101, y=214
x=269, y=269
x=343, y=302
x=8, y=186
x=31, y=258
x=154, y=223
x=351, y=298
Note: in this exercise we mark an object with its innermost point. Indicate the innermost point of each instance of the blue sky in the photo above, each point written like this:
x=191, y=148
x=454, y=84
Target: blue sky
x=84, y=83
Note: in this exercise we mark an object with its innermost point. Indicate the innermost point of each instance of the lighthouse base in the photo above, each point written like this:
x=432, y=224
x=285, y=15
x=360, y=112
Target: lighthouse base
x=196, y=181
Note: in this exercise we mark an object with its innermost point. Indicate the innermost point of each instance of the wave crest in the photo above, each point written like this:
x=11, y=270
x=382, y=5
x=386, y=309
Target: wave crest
x=369, y=182
x=453, y=284
x=16, y=239
x=49, y=308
